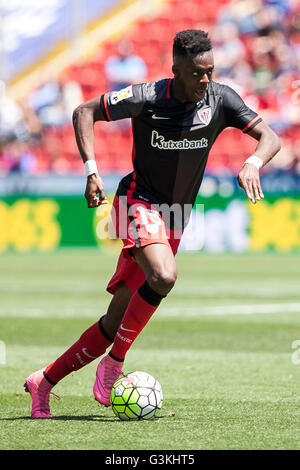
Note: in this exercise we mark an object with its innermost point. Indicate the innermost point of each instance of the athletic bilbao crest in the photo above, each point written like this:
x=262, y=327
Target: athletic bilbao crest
x=205, y=115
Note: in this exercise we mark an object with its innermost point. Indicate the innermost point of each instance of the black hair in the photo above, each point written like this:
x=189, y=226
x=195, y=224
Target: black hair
x=191, y=42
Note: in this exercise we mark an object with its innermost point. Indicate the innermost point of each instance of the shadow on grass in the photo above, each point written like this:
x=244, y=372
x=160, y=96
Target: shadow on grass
x=97, y=418
x=63, y=418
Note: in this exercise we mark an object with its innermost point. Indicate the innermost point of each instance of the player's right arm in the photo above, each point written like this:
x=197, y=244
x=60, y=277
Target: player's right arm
x=112, y=106
x=84, y=118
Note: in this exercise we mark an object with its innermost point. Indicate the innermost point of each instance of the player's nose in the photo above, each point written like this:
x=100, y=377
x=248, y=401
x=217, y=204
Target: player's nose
x=204, y=79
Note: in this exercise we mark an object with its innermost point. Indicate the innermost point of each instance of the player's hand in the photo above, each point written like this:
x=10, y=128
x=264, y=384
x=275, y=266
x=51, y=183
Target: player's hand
x=249, y=181
x=94, y=191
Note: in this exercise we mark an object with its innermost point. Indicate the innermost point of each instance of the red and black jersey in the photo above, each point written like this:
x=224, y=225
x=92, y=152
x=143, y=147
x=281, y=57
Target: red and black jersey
x=172, y=140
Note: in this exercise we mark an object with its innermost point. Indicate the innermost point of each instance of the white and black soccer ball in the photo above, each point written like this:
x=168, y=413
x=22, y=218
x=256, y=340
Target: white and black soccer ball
x=136, y=396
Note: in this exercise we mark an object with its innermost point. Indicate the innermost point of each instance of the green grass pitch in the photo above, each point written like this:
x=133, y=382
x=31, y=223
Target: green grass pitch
x=220, y=345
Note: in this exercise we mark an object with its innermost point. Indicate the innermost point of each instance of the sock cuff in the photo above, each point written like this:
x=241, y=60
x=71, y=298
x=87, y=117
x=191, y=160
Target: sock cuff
x=149, y=295
x=48, y=379
x=102, y=330
x=115, y=358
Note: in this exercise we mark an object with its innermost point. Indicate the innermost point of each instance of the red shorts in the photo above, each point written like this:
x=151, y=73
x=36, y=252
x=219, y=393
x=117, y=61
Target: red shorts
x=137, y=223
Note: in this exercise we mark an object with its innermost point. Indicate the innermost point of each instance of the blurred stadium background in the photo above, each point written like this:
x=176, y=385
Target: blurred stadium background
x=225, y=344
x=54, y=56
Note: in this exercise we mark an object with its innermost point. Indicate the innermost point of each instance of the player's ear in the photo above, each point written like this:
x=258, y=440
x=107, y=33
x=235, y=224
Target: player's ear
x=175, y=70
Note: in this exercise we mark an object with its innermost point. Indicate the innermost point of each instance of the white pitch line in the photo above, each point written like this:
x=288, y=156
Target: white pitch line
x=165, y=312
x=251, y=309
x=46, y=313
x=222, y=289
x=83, y=287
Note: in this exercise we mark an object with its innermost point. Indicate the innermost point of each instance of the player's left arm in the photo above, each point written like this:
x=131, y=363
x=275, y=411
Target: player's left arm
x=268, y=146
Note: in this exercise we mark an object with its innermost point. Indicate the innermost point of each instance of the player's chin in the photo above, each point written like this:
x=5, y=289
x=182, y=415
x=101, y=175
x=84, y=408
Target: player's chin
x=195, y=97
x=199, y=95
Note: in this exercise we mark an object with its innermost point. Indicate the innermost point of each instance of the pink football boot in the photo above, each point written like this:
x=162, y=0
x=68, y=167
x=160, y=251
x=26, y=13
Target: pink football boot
x=108, y=371
x=39, y=389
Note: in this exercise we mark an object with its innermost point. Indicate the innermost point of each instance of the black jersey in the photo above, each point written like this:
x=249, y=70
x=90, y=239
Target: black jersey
x=172, y=140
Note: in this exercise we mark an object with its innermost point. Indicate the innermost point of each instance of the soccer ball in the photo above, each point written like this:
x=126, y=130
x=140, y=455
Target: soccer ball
x=136, y=396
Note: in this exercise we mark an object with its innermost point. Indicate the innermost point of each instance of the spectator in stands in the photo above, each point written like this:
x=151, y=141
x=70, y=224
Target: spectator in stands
x=255, y=16
x=227, y=43
x=242, y=13
x=19, y=129
x=281, y=7
x=54, y=101
x=17, y=157
x=125, y=67
x=12, y=123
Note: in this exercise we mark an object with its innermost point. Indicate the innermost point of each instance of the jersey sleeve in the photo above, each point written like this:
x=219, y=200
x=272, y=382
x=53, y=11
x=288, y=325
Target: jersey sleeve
x=125, y=103
x=237, y=113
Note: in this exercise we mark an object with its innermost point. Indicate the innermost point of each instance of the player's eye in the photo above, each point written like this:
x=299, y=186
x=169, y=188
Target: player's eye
x=200, y=74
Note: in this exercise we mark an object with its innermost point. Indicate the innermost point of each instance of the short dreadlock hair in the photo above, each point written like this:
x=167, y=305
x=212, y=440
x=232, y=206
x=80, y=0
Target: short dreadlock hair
x=191, y=42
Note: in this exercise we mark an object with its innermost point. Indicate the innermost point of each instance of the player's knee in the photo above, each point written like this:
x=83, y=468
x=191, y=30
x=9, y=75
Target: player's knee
x=163, y=279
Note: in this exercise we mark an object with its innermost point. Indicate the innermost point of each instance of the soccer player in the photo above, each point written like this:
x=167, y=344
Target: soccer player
x=175, y=123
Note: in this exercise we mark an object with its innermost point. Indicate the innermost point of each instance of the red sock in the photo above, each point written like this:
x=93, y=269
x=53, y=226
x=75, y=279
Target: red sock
x=141, y=307
x=91, y=344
